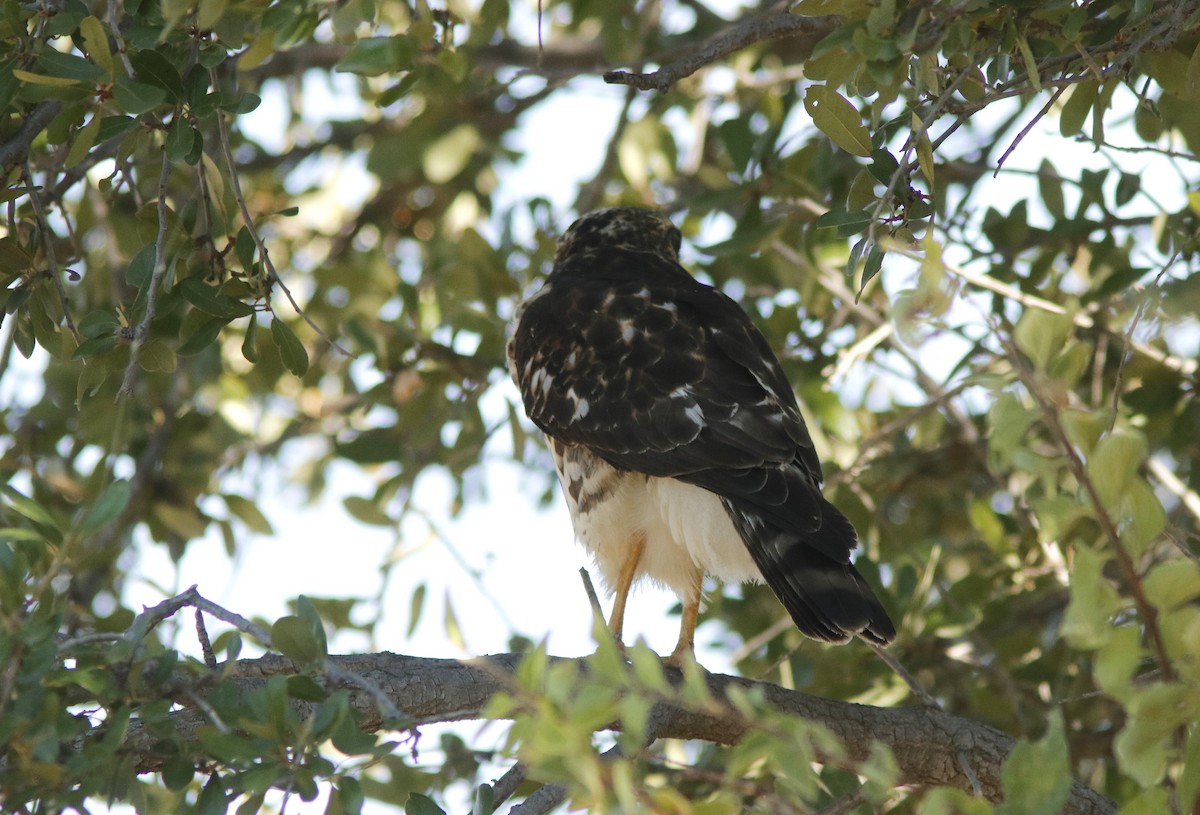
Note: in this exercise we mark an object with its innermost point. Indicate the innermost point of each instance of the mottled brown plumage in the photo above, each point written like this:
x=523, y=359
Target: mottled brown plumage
x=676, y=435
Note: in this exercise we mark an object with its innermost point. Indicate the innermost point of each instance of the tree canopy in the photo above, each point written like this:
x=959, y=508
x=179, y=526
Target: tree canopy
x=248, y=234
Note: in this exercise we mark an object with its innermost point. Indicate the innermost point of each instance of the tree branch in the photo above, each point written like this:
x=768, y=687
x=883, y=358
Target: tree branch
x=770, y=25
x=15, y=150
x=928, y=744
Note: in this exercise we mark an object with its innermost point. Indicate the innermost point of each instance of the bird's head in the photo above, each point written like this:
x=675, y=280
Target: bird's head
x=635, y=228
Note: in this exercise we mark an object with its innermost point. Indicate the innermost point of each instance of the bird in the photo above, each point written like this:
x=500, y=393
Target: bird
x=676, y=436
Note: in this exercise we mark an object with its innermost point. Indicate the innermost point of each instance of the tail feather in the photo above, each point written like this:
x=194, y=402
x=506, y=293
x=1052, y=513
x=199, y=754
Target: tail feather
x=827, y=599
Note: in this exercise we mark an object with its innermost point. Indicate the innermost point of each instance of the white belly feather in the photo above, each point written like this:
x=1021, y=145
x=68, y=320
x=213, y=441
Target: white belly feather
x=685, y=526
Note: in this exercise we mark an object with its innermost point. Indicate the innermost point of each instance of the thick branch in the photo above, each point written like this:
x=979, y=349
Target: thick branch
x=774, y=25
x=16, y=149
x=931, y=747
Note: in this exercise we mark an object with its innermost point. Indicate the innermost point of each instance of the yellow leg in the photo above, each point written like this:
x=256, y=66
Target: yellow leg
x=616, y=621
x=687, y=626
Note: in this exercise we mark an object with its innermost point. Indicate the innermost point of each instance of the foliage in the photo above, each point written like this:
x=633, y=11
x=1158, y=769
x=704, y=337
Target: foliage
x=998, y=355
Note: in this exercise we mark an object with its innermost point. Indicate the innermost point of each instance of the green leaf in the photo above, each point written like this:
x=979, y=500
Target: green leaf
x=1036, y=776
x=141, y=268
x=373, y=56
x=1117, y=660
x=97, y=346
x=181, y=139
x=1143, y=515
x=1050, y=187
x=1114, y=463
x=294, y=637
x=310, y=615
x=248, y=513
x=29, y=508
x=177, y=772
x=883, y=166
x=158, y=356
x=398, y=91
x=249, y=341
x=95, y=41
x=350, y=740
x=847, y=223
x=1189, y=778
x=291, y=350
x=109, y=504
x=834, y=116
x=69, y=66
x=871, y=266
x=213, y=800
x=1172, y=583
x=202, y=337
x=349, y=795
x=155, y=69
x=419, y=804
x=415, y=605
x=367, y=511
x=210, y=301
x=135, y=98
x=85, y=139
x=1040, y=335
x=1153, y=715
x=305, y=688
x=1075, y=109
x=1088, y=622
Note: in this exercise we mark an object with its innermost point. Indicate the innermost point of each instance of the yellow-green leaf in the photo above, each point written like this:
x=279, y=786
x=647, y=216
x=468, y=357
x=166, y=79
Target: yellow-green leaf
x=1094, y=601
x=834, y=116
x=39, y=79
x=1041, y=334
x=1114, y=463
x=1036, y=775
x=95, y=42
x=85, y=138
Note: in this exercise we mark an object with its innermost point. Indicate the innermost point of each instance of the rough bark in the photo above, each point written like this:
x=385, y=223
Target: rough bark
x=931, y=747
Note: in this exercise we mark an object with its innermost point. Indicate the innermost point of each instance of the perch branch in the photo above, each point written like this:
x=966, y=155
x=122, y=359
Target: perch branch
x=926, y=742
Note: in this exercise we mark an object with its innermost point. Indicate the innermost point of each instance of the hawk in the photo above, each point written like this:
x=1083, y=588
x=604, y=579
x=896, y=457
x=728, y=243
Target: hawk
x=676, y=436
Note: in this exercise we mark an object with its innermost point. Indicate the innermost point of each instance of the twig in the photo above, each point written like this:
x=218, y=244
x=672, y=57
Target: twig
x=48, y=245
x=1025, y=130
x=772, y=25
x=1172, y=484
x=236, y=185
x=1187, y=367
x=507, y=784
x=395, y=718
x=137, y=334
x=964, y=764
x=890, y=660
x=1146, y=610
x=236, y=620
x=593, y=599
x=541, y=801
x=206, y=648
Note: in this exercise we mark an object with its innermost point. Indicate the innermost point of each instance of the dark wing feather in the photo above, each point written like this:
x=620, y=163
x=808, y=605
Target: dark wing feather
x=657, y=373
x=666, y=376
